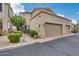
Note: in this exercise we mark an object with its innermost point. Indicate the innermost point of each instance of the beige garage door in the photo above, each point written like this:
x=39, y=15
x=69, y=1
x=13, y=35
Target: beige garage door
x=67, y=29
x=52, y=30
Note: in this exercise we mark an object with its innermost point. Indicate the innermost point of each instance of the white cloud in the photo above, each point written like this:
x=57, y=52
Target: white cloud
x=17, y=7
x=77, y=13
x=74, y=21
x=61, y=15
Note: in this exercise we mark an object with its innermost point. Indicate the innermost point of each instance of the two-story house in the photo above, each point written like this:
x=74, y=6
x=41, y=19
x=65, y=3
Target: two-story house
x=5, y=13
x=47, y=23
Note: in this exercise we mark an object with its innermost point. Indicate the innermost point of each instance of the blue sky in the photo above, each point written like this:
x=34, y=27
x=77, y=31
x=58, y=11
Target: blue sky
x=69, y=10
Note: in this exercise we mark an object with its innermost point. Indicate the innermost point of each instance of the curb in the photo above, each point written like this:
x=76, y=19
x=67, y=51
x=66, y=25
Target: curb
x=17, y=45
x=54, y=38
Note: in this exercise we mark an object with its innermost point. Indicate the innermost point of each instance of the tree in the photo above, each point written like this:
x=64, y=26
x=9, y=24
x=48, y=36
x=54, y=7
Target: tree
x=18, y=22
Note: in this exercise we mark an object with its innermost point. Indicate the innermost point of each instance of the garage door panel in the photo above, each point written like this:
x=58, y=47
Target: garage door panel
x=67, y=29
x=52, y=30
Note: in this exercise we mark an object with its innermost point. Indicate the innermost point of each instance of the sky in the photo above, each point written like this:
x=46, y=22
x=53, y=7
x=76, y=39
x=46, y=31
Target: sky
x=67, y=10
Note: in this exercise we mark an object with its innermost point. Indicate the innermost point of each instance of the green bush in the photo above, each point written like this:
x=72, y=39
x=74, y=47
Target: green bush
x=14, y=37
x=36, y=36
x=18, y=32
x=33, y=33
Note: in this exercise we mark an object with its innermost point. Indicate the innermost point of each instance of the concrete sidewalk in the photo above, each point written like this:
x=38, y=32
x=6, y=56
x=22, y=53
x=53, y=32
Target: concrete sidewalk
x=41, y=40
x=4, y=41
x=25, y=40
x=66, y=46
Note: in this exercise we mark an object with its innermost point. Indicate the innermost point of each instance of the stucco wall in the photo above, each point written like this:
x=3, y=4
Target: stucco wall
x=5, y=17
x=53, y=19
x=37, y=11
x=35, y=24
x=26, y=16
x=43, y=18
x=1, y=15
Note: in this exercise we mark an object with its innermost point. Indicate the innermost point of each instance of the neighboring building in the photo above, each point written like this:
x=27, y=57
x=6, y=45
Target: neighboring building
x=5, y=14
x=77, y=25
x=27, y=16
x=47, y=23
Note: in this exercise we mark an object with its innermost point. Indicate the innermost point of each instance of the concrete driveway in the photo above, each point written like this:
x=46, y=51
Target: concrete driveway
x=67, y=46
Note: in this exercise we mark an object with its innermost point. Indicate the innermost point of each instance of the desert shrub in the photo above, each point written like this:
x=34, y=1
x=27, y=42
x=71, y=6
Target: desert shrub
x=33, y=33
x=14, y=37
x=36, y=36
x=18, y=32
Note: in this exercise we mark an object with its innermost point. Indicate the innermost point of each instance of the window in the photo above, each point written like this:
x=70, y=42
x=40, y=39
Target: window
x=0, y=6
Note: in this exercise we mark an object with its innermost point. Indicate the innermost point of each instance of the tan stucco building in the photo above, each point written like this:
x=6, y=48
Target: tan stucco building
x=5, y=14
x=47, y=22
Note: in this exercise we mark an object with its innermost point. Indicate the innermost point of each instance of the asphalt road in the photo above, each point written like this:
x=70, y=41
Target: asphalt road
x=67, y=46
